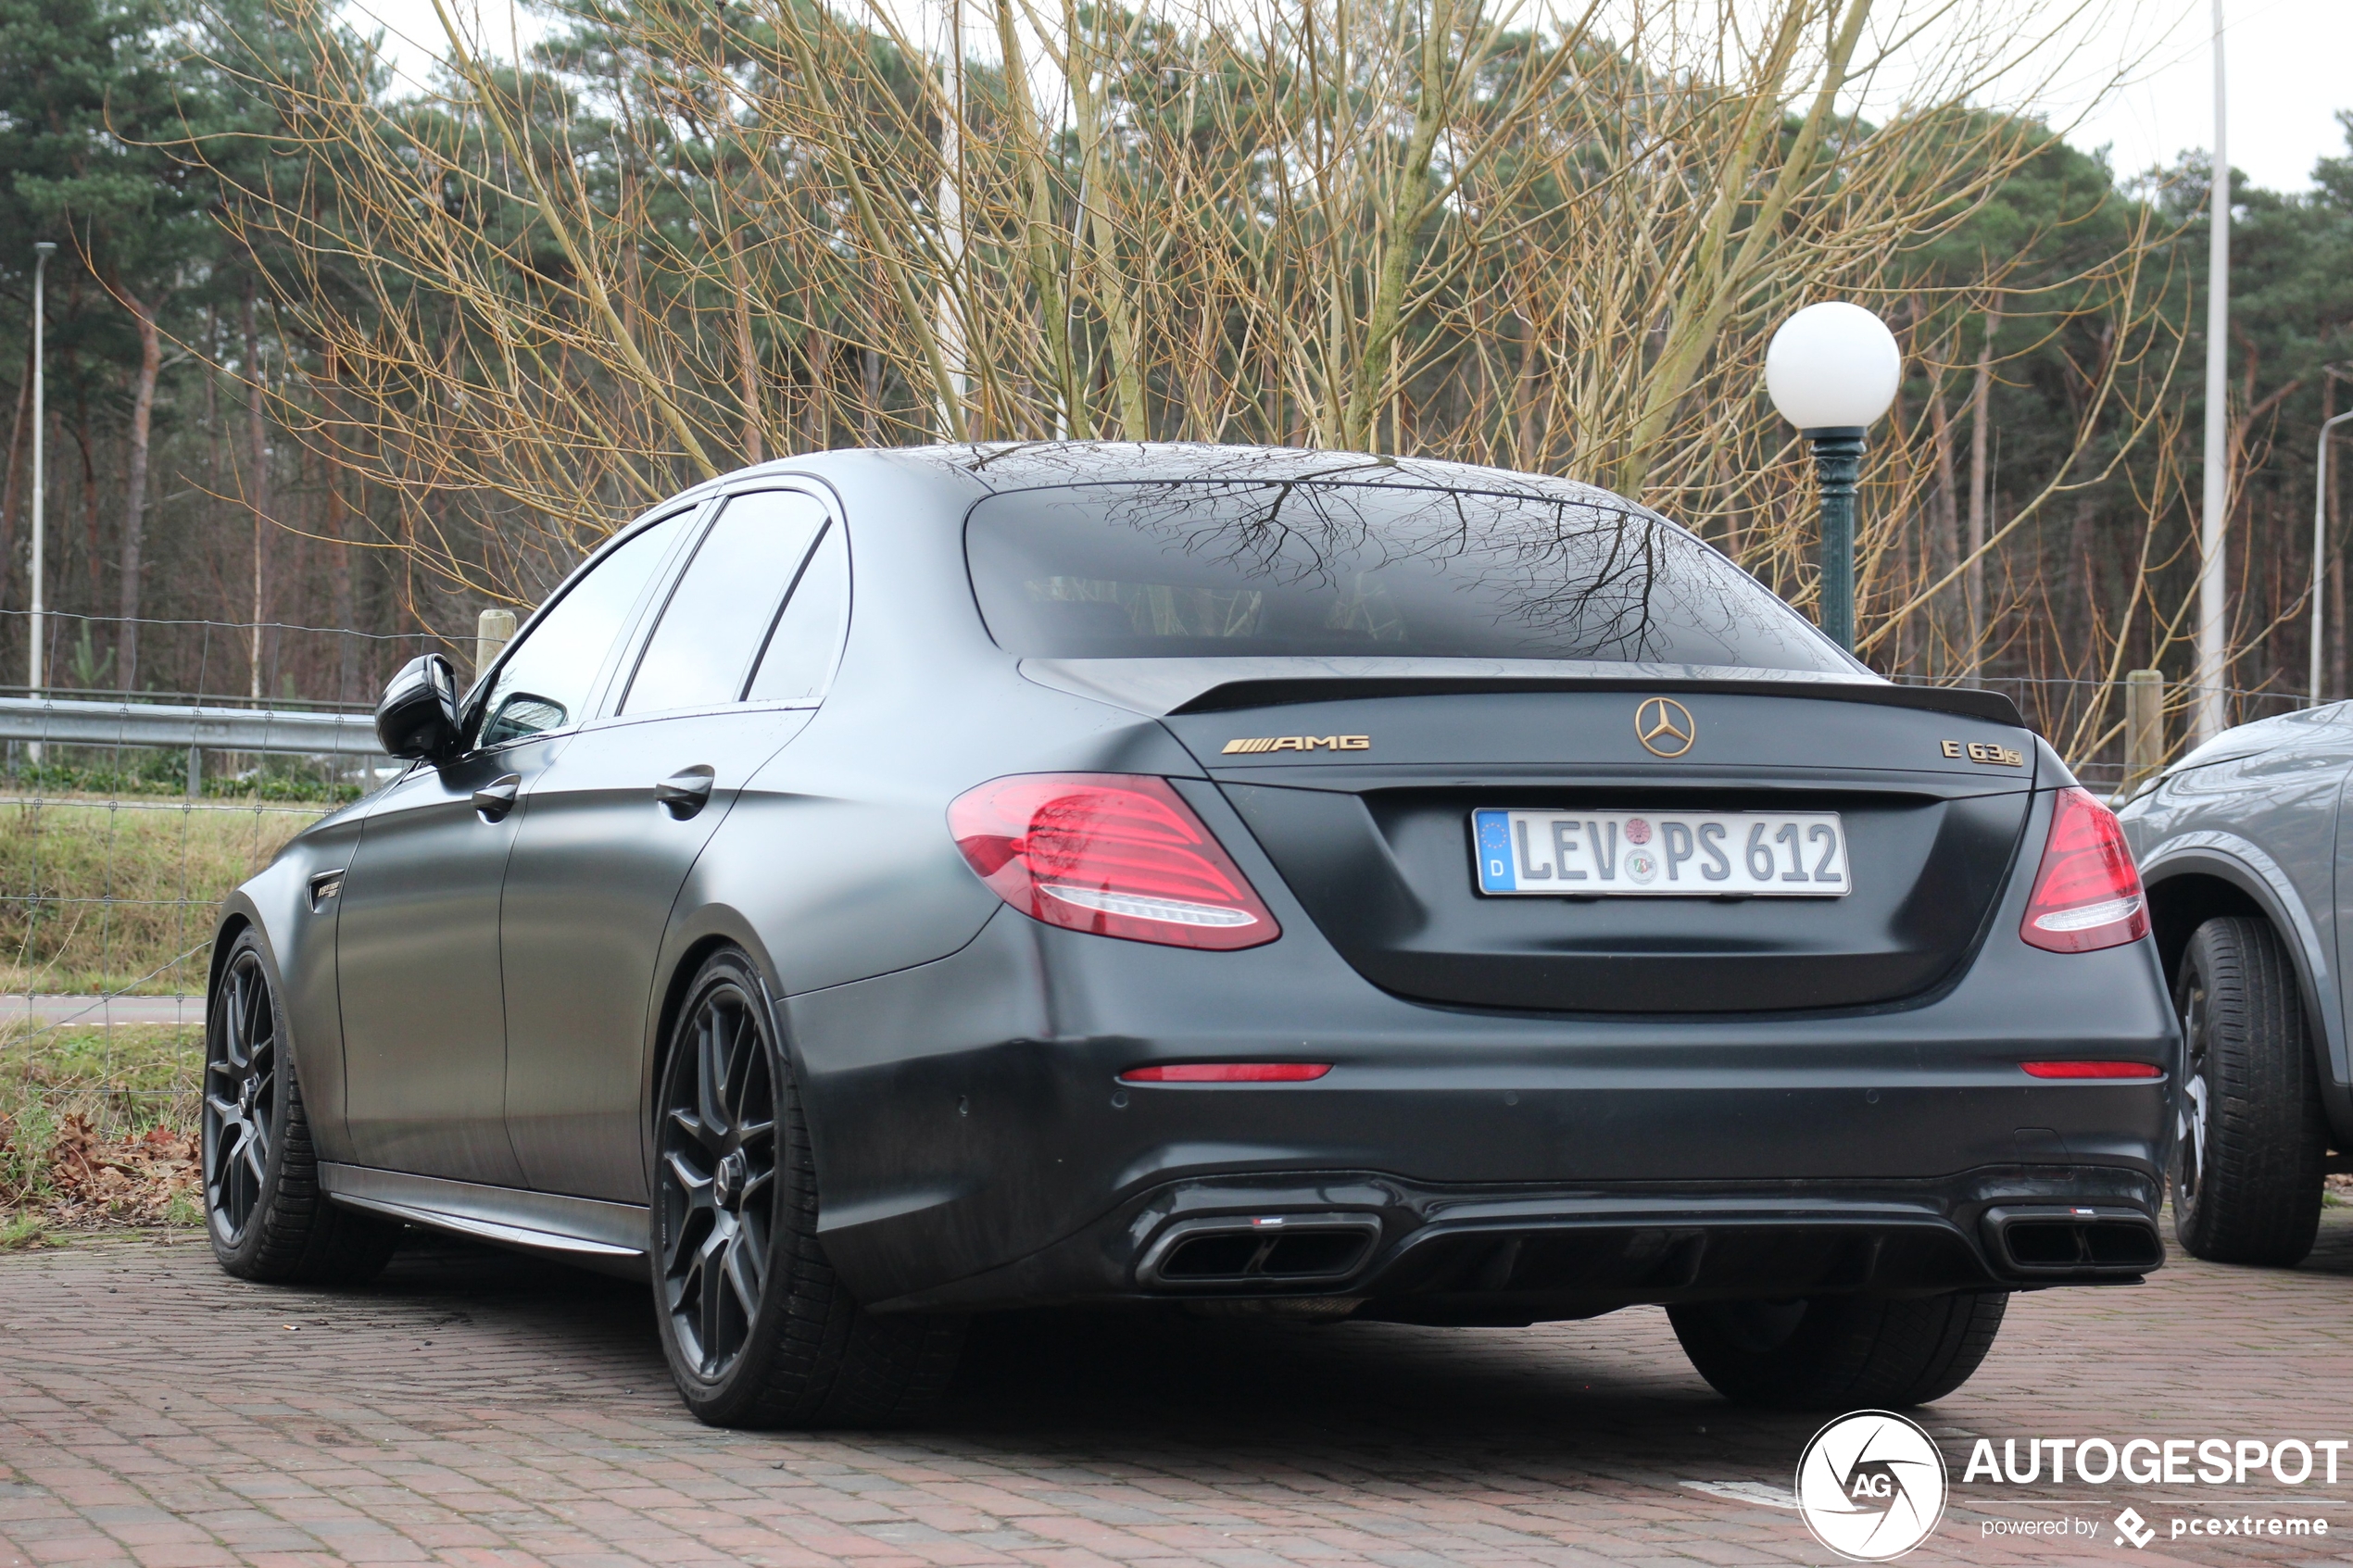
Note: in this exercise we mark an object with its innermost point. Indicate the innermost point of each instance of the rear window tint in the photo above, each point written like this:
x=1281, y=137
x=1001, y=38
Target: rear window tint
x=1195, y=569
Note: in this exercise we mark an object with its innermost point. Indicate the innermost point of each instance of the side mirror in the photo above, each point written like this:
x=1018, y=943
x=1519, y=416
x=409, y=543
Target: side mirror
x=418, y=716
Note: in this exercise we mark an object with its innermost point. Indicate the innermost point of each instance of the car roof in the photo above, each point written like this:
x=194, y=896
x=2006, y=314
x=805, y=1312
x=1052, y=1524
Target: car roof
x=1032, y=464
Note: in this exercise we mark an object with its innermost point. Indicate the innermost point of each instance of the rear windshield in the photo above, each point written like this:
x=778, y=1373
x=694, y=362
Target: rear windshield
x=1227, y=567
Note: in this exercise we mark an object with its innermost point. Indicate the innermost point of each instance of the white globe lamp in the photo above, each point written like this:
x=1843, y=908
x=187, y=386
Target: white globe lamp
x=1832, y=371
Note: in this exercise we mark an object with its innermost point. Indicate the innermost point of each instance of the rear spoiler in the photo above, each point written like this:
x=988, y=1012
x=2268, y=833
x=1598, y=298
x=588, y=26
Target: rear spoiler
x=1993, y=707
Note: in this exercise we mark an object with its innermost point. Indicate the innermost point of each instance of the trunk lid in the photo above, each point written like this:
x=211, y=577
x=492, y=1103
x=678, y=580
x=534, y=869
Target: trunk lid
x=1363, y=802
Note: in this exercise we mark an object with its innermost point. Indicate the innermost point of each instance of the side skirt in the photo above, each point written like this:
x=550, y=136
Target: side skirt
x=608, y=1238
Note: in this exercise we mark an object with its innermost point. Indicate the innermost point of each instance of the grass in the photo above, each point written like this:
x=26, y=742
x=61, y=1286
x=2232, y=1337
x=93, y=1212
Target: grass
x=115, y=895
x=150, y=771
x=95, y=1127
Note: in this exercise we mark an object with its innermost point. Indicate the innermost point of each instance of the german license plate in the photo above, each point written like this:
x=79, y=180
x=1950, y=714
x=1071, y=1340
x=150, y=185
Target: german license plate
x=1655, y=854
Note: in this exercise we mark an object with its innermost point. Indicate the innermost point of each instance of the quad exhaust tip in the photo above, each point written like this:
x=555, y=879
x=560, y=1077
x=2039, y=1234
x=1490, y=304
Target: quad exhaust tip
x=1262, y=1250
x=2054, y=1240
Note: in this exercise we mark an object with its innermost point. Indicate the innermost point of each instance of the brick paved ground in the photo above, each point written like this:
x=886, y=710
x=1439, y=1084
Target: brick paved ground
x=473, y=1407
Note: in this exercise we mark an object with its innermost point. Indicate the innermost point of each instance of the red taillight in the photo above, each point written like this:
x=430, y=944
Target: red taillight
x=2091, y=1069
x=1228, y=1072
x=2087, y=894
x=1116, y=854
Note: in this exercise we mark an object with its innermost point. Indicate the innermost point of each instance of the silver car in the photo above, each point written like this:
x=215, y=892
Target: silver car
x=2239, y=845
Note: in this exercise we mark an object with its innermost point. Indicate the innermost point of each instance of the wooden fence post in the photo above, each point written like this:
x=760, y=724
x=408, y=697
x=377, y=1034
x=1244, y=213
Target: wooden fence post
x=2144, y=727
x=493, y=629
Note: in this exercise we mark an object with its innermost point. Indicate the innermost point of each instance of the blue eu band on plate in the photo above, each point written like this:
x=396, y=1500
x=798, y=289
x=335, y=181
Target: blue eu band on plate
x=1655, y=854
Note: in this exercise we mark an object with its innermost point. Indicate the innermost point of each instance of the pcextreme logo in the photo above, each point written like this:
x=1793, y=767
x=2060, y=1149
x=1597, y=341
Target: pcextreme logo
x=1871, y=1485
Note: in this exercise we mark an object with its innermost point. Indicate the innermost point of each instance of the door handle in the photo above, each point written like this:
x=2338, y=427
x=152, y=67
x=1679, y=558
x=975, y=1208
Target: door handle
x=687, y=791
x=496, y=798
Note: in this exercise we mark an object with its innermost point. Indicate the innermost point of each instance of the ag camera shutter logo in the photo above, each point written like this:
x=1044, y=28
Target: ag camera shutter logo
x=1871, y=1485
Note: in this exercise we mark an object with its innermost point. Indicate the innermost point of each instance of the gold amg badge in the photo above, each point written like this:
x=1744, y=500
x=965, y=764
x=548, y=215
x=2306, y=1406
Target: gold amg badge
x=1298, y=742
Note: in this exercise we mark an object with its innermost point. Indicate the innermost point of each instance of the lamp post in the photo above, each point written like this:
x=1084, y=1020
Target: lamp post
x=2210, y=710
x=1832, y=370
x=2320, y=543
x=41, y=251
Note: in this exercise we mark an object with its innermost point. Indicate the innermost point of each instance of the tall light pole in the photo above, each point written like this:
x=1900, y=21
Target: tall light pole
x=951, y=215
x=2320, y=543
x=2209, y=711
x=1832, y=370
x=41, y=251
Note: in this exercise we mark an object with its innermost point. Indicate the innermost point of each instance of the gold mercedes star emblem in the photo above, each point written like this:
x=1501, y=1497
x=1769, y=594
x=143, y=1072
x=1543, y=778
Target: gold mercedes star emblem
x=1664, y=726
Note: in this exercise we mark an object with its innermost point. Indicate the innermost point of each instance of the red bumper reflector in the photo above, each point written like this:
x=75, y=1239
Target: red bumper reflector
x=1228, y=1073
x=2091, y=1069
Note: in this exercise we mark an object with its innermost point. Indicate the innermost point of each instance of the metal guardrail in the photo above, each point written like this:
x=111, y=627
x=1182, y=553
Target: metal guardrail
x=285, y=731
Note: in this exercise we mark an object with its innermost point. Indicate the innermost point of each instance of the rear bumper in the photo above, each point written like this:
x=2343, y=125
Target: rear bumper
x=1373, y=1245
x=975, y=1148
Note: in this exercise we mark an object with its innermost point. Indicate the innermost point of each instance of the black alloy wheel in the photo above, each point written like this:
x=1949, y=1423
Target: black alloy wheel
x=267, y=1214
x=757, y=1330
x=240, y=1096
x=2250, y=1137
x=718, y=1179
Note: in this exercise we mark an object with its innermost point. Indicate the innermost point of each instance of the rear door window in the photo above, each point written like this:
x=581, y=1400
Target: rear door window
x=720, y=613
x=1195, y=569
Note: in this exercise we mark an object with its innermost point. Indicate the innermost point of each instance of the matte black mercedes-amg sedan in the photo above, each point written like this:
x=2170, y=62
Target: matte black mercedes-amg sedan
x=882, y=887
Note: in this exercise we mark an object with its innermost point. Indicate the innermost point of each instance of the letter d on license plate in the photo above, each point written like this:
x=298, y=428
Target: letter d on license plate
x=1653, y=854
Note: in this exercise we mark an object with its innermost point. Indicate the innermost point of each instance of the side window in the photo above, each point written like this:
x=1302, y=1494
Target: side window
x=545, y=682
x=798, y=662
x=711, y=631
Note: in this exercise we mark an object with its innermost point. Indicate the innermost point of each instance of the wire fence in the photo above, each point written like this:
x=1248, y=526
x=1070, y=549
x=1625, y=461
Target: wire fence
x=279, y=664
x=128, y=811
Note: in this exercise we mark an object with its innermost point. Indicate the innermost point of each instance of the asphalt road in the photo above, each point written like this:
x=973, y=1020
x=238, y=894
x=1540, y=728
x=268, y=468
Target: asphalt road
x=93, y=1010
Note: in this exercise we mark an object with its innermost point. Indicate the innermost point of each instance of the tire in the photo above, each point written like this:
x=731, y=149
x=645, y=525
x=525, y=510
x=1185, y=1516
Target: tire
x=264, y=1209
x=1840, y=1352
x=758, y=1331
x=2250, y=1139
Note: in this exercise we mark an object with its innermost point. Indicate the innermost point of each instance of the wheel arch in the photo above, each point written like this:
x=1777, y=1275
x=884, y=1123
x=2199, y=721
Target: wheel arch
x=2187, y=890
x=234, y=920
x=2179, y=905
x=690, y=946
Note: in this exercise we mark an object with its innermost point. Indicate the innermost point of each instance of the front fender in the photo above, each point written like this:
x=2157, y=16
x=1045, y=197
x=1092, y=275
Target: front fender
x=299, y=943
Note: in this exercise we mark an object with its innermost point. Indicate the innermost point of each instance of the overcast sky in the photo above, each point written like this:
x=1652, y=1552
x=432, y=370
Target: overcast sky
x=2290, y=66
x=2290, y=62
